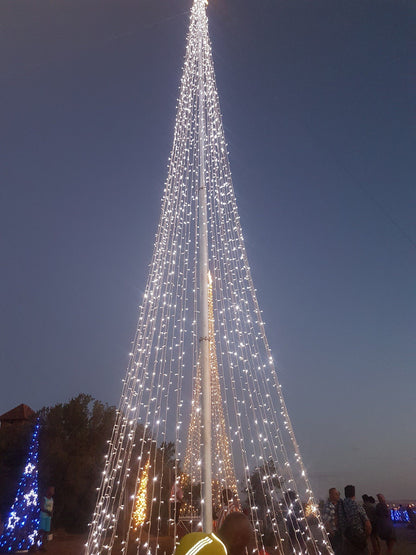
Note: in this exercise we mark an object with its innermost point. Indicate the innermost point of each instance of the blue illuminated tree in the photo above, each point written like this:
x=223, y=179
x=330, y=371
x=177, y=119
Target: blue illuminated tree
x=21, y=527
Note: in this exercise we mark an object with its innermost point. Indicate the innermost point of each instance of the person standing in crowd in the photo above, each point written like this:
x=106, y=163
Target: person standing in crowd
x=330, y=520
x=353, y=524
x=176, y=499
x=412, y=517
x=369, y=504
x=229, y=506
x=46, y=509
x=384, y=524
x=235, y=537
x=237, y=534
x=295, y=521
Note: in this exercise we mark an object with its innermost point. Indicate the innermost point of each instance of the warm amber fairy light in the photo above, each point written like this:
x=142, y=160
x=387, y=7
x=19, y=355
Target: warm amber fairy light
x=140, y=511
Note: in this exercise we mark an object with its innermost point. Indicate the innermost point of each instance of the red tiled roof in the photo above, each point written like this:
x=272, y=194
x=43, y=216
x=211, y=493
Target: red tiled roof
x=21, y=412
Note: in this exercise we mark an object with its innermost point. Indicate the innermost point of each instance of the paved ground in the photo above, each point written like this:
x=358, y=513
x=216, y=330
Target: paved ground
x=64, y=544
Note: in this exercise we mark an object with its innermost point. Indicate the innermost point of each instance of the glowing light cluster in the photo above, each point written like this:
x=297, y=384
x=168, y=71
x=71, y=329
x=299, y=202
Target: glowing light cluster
x=21, y=526
x=249, y=413
x=311, y=509
x=140, y=511
x=402, y=515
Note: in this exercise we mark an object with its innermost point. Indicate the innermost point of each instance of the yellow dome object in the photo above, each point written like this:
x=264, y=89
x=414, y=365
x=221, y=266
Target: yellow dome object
x=200, y=543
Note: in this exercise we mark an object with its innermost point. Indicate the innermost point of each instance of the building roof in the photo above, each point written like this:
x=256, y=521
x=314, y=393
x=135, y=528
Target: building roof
x=19, y=413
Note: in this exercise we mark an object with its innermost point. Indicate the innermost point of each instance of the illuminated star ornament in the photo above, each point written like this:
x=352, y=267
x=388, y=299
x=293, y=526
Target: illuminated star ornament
x=12, y=521
x=31, y=498
x=201, y=375
x=21, y=530
x=29, y=468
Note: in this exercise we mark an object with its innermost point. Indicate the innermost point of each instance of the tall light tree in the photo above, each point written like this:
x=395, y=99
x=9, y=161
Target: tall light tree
x=200, y=231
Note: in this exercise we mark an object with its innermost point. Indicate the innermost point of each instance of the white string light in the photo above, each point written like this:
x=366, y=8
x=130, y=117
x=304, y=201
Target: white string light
x=250, y=416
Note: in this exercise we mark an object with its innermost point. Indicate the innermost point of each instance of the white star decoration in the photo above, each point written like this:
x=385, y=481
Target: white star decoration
x=13, y=520
x=29, y=468
x=32, y=537
x=31, y=498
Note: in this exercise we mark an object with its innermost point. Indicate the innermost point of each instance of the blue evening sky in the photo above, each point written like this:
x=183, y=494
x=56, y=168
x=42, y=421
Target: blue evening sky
x=318, y=105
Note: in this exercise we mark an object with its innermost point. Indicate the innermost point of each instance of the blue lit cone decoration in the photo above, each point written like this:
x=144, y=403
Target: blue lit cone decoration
x=21, y=527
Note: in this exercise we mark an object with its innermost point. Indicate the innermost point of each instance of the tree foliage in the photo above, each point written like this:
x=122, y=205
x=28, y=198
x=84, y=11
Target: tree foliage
x=14, y=445
x=265, y=486
x=73, y=442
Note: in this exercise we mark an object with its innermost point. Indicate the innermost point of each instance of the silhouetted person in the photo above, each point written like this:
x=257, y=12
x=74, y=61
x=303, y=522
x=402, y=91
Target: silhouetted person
x=412, y=517
x=385, y=526
x=295, y=521
x=234, y=537
x=176, y=499
x=369, y=504
x=229, y=505
x=237, y=533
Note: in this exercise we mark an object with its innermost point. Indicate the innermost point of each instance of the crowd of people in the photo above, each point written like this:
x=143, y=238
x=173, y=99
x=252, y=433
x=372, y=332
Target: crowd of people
x=353, y=527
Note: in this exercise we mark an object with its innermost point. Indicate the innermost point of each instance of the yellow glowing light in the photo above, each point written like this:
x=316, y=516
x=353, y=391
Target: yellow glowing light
x=140, y=511
x=311, y=509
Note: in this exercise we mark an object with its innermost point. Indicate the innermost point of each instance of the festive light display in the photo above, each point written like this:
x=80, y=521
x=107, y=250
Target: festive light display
x=222, y=465
x=21, y=527
x=311, y=509
x=140, y=511
x=402, y=515
x=253, y=426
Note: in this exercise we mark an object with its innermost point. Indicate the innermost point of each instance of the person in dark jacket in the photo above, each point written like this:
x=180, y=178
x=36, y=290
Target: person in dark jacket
x=369, y=504
x=385, y=528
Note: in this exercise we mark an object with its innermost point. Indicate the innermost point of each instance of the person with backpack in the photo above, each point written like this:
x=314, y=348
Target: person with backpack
x=353, y=524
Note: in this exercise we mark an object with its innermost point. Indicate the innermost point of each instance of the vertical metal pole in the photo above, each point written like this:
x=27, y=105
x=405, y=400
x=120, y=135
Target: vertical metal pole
x=203, y=298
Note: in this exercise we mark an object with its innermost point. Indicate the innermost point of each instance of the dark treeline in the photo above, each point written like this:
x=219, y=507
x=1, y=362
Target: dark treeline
x=72, y=443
